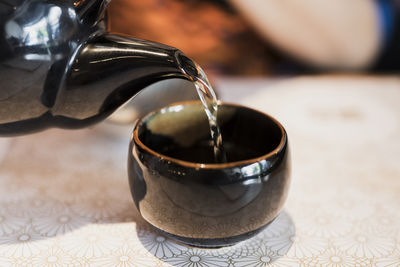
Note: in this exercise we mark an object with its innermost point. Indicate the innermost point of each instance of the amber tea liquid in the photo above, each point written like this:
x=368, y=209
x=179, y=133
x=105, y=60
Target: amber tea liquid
x=210, y=103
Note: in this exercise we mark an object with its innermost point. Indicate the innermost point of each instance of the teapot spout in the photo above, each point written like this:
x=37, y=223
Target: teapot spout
x=110, y=70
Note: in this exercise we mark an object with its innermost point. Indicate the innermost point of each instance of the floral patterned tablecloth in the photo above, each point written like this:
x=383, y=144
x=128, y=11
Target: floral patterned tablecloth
x=65, y=200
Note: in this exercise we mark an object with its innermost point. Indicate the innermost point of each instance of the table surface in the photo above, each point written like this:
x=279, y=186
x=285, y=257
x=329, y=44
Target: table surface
x=65, y=200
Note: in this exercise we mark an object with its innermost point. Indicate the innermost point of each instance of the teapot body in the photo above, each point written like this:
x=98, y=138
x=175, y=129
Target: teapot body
x=60, y=68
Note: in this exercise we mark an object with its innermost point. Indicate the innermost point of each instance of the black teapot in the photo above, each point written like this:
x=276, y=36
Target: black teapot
x=59, y=67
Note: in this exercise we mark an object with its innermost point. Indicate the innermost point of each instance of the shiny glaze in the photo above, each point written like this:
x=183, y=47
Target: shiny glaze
x=210, y=205
x=59, y=66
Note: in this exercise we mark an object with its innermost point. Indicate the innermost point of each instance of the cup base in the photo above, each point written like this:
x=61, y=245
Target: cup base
x=213, y=242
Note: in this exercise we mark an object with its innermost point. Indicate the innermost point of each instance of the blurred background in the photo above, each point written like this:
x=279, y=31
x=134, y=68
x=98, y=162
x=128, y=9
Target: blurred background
x=263, y=38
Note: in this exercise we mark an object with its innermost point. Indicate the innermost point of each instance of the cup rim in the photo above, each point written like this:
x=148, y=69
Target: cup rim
x=275, y=151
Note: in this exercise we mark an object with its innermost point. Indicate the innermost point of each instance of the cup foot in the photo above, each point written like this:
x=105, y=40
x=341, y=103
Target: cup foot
x=213, y=242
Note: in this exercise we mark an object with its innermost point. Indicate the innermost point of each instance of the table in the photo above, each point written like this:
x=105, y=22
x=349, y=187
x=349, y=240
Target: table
x=65, y=200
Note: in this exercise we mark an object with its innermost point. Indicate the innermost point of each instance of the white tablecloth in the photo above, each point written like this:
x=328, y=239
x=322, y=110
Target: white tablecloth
x=65, y=200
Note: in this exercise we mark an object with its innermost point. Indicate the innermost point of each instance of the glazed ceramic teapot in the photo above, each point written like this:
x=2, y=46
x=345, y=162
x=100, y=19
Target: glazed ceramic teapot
x=59, y=67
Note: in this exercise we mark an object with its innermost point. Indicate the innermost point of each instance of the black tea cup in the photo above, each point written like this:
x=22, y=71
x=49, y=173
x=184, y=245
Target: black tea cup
x=180, y=190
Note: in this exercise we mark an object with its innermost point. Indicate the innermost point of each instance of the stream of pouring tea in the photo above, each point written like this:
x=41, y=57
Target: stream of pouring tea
x=210, y=103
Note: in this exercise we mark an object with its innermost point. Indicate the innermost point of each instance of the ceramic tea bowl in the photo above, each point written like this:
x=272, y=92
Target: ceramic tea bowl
x=180, y=190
